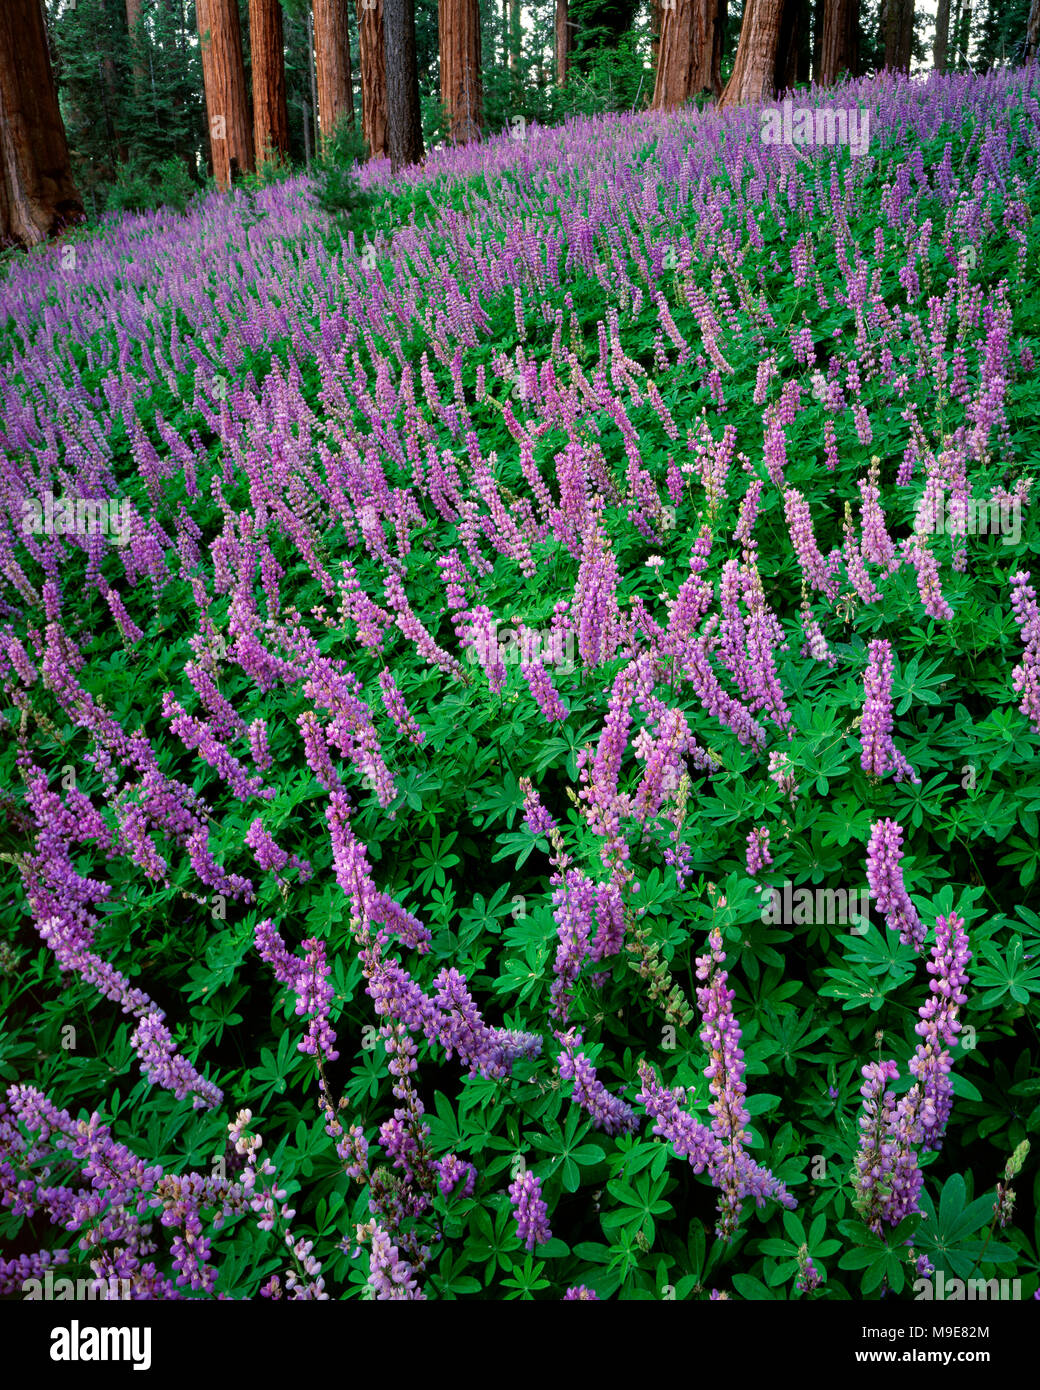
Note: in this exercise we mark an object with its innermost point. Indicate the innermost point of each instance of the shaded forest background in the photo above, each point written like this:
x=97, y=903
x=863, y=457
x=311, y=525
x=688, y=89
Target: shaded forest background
x=135, y=112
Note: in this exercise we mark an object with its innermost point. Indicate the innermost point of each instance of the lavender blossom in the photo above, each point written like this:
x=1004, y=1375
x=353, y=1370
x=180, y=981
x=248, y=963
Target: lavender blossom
x=531, y=1213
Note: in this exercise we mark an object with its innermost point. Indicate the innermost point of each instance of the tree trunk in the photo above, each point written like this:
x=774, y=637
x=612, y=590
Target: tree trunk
x=899, y=31
x=403, y=113
x=906, y=33
x=115, y=136
x=37, y=196
x=270, y=111
x=1033, y=31
x=564, y=41
x=817, y=50
x=942, y=35
x=332, y=60
x=690, y=51
x=963, y=36
x=514, y=36
x=790, y=45
x=839, y=48
x=804, y=66
x=754, y=67
x=458, y=26
x=137, y=38
x=224, y=78
x=372, y=51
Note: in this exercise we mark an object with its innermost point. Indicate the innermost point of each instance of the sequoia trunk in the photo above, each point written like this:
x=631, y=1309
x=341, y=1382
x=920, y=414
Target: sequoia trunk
x=332, y=61
x=564, y=41
x=270, y=111
x=459, y=29
x=689, y=53
x=754, y=67
x=373, y=77
x=224, y=78
x=839, y=44
x=37, y=196
x=403, y=114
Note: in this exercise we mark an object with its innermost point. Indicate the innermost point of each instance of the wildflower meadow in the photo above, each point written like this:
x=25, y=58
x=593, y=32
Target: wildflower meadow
x=521, y=722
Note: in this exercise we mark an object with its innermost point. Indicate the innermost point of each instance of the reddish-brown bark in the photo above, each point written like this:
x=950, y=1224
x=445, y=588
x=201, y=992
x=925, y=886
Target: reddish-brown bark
x=689, y=52
x=224, y=78
x=754, y=67
x=373, y=77
x=270, y=111
x=459, y=36
x=332, y=61
x=38, y=198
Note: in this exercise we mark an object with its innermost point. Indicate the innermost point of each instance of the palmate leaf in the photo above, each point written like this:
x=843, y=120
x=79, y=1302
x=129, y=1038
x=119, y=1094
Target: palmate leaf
x=1005, y=973
x=951, y=1237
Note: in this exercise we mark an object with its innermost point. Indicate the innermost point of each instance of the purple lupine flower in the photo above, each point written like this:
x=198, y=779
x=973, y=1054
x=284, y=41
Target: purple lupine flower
x=209, y=871
x=855, y=565
x=758, y=855
x=702, y=1147
x=764, y=634
x=268, y=853
x=608, y=1113
x=16, y=1272
x=414, y=630
x=692, y=601
x=602, y=804
x=164, y=1066
x=880, y=755
x=886, y=883
x=939, y=1027
x=875, y=1158
x=610, y=918
x=308, y=979
x=455, y=1176
x=536, y=817
x=722, y=706
x=725, y=1073
x=664, y=763
x=580, y=1293
x=918, y=553
x=573, y=902
x=595, y=601
x=530, y=1211
x=197, y=735
x=128, y=628
x=815, y=644
x=905, y=1178
x=808, y=1275
x=818, y=571
x=403, y=1139
x=316, y=751
x=398, y=710
x=1025, y=679
x=540, y=684
x=876, y=545
x=258, y=745
x=481, y=638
